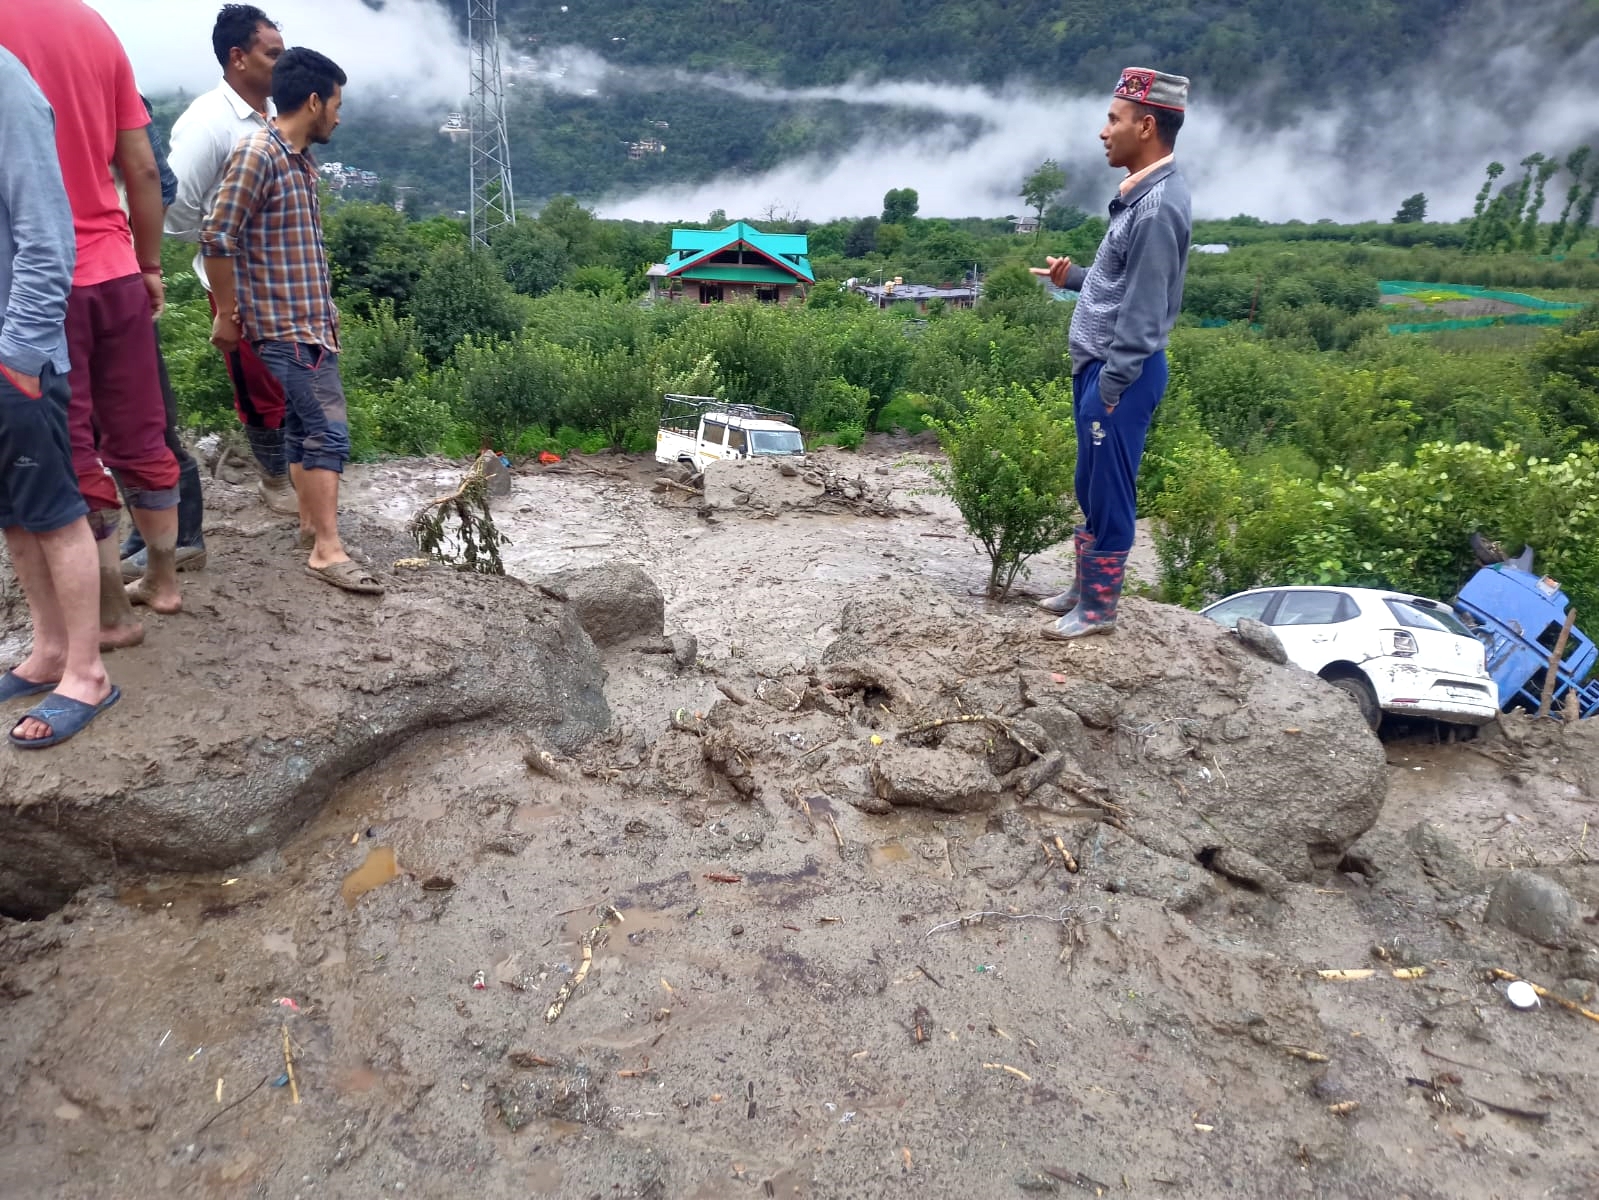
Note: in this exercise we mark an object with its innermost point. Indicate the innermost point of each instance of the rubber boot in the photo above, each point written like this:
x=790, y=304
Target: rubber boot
x=1103, y=576
x=191, y=528
x=276, y=489
x=1062, y=604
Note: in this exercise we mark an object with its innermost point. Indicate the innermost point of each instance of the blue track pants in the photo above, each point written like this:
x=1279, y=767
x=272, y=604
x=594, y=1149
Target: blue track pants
x=1110, y=446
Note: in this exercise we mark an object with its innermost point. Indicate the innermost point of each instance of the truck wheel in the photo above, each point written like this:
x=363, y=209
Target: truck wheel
x=1357, y=687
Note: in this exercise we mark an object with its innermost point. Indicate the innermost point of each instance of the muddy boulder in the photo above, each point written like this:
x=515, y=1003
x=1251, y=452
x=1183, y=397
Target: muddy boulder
x=1534, y=906
x=1183, y=725
x=614, y=602
x=240, y=717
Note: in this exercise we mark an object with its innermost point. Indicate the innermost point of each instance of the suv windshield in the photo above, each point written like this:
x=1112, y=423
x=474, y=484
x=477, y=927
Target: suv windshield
x=1416, y=616
x=776, y=441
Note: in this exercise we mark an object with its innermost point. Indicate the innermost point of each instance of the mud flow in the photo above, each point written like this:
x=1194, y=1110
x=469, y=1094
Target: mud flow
x=736, y=847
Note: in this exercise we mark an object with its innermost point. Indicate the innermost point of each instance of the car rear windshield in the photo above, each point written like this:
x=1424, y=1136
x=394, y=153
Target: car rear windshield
x=1416, y=616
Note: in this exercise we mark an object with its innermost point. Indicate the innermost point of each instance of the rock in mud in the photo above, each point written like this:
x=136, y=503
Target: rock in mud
x=1195, y=730
x=1533, y=906
x=615, y=602
x=937, y=779
x=1442, y=860
x=238, y=721
x=1258, y=637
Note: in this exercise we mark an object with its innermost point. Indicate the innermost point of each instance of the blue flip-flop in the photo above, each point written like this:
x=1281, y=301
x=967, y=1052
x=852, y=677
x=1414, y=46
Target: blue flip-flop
x=65, y=717
x=14, y=687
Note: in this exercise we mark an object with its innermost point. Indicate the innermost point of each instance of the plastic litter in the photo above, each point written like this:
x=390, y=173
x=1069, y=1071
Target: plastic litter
x=281, y=1081
x=480, y=981
x=1521, y=994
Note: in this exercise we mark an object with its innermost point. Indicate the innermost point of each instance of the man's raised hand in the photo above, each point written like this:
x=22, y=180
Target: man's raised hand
x=1055, y=272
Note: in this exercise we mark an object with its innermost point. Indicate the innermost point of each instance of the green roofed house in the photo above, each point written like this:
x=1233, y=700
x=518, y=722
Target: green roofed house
x=739, y=262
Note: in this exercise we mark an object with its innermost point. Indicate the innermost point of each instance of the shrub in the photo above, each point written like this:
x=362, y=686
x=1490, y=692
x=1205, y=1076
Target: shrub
x=1012, y=454
x=838, y=406
x=462, y=294
x=509, y=388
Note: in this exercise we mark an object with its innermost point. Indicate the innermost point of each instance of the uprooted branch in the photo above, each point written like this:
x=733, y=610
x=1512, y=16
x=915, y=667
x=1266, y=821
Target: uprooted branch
x=479, y=538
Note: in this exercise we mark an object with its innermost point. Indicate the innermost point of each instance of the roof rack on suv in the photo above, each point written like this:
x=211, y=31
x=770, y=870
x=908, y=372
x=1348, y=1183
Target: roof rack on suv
x=681, y=406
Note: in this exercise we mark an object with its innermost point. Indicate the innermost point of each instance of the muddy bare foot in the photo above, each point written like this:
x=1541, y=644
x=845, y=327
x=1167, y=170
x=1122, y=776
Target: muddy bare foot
x=123, y=636
x=162, y=600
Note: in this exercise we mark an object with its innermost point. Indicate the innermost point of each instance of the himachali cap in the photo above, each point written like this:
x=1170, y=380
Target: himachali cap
x=1155, y=88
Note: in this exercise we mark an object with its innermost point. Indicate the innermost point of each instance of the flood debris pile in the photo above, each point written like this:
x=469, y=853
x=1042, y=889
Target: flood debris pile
x=825, y=482
x=1165, y=753
x=237, y=727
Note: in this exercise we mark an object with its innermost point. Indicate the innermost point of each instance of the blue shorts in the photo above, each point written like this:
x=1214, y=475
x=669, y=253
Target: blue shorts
x=316, y=421
x=38, y=487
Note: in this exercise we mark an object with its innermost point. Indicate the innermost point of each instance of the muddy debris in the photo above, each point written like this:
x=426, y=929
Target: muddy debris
x=235, y=730
x=905, y=994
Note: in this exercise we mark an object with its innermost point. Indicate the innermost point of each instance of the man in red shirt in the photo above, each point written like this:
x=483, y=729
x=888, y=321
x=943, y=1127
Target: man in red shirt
x=84, y=73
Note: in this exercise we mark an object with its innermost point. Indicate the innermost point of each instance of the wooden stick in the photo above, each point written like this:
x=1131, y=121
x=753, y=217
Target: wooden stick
x=288, y=1064
x=572, y=984
x=1546, y=994
x=1552, y=674
x=972, y=719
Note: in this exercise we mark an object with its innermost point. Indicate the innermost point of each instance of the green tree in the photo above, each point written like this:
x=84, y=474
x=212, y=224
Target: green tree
x=1576, y=164
x=900, y=205
x=532, y=256
x=1040, y=188
x=462, y=294
x=1529, y=225
x=1480, y=207
x=862, y=239
x=509, y=388
x=373, y=255
x=1012, y=455
x=1413, y=210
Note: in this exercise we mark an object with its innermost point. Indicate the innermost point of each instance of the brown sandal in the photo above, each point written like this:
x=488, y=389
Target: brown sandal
x=349, y=576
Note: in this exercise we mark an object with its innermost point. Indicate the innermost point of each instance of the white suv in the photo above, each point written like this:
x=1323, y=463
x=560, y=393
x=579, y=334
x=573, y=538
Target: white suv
x=1393, y=653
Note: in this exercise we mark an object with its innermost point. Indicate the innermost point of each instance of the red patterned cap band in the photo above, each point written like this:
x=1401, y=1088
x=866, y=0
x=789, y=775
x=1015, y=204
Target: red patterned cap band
x=1155, y=88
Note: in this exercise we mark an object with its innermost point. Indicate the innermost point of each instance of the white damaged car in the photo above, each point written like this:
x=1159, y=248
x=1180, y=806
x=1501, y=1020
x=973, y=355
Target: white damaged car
x=1393, y=653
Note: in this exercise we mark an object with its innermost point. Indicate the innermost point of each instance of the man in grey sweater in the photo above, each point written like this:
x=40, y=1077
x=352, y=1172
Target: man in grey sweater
x=1128, y=302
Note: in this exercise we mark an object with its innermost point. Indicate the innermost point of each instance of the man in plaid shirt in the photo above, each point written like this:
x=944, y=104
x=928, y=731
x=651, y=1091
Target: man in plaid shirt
x=268, y=269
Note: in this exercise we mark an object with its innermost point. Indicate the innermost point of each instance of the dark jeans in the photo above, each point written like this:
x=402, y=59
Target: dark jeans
x=316, y=421
x=38, y=487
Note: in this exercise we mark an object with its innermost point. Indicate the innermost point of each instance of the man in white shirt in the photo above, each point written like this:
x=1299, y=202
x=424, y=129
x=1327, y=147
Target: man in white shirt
x=247, y=44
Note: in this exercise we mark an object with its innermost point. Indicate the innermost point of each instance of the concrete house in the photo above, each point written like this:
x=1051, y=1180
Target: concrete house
x=707, y=266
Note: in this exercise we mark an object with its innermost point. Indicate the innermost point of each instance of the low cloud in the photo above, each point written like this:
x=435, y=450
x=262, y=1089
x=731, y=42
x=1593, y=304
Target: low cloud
x=409, y=52
x=1350, y=163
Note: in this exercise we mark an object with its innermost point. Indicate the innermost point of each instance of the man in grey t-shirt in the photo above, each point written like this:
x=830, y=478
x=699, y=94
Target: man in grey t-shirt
x=1128, y=302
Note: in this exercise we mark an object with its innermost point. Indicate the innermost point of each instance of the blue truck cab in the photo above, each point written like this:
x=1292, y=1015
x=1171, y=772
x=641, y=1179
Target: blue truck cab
x=1518, y=616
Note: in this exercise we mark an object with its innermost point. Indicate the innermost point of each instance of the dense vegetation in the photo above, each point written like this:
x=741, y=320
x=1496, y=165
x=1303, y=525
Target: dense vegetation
x=1299, y=440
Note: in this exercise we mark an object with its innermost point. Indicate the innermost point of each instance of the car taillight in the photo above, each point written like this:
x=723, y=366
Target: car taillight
x=1404, y=644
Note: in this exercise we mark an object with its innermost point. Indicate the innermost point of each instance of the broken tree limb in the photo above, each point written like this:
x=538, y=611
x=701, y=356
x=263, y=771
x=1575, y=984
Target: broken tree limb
x=1546, y=994
x=1552, y=675
x=999, y=723
x=558, y=1005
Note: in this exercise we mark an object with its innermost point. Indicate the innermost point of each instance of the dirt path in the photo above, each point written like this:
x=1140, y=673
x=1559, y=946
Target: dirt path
x=825, y=1026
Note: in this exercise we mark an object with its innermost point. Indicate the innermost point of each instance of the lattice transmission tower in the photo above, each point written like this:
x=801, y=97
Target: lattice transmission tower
x=493, y=202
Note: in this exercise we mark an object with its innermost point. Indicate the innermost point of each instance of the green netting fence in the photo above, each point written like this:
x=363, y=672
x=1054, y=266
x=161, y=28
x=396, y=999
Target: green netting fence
x=1441, y=292
x=1544, y=312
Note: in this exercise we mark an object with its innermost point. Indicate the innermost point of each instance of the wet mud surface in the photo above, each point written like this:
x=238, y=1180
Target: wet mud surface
x=780, y=996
